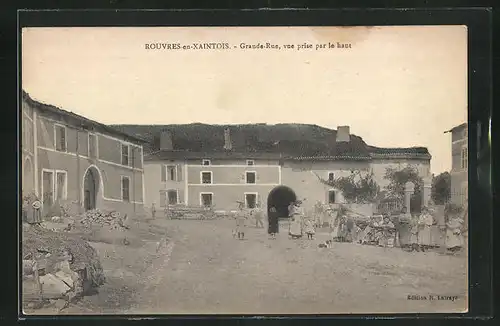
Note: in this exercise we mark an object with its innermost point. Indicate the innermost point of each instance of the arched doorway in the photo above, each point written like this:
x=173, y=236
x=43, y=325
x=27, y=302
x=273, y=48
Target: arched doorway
x=28, y=180
x=279, y=198
x=91, y=183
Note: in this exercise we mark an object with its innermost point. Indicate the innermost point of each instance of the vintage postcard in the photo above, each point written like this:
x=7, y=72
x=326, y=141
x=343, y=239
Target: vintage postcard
x=244, y=170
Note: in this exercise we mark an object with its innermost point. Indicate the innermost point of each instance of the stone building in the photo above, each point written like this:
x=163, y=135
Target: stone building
x=67, y=158
x=460, y=163
x=214, y=165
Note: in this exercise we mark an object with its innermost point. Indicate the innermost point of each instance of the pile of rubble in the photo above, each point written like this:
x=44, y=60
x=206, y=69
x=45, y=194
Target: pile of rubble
x=112, y=220
x=57, y=268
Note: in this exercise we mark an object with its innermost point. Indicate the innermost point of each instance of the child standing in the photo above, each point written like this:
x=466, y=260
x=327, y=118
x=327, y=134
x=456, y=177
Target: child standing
x=240, y=221
x=454, y=238
x=309, y=229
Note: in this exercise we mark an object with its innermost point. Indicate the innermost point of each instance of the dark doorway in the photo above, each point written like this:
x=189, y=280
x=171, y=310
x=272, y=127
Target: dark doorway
x=90, y=189
x=279, y=198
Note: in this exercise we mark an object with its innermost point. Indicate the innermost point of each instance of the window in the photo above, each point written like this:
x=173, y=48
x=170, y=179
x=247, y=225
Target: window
x=61, y=184
x=250, y=177
x=172, y=197
x=92, y=145
x=250, y=200
x=464, y=158
x=206, y=177
x=60, y=138
x=331, y=176
x=125, y=188
x=205, y=162
x=125, y=154
x=250, y=162
x=331, y=197
x=206, y=199
x=172, y=172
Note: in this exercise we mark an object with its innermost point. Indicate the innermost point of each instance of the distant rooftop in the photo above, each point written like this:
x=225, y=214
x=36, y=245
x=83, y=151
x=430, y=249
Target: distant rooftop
x=285, y=140
x=79, y=120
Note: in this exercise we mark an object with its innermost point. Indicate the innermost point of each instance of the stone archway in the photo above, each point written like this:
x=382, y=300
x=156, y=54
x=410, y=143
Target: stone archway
x=279, y=198
x=91, y=188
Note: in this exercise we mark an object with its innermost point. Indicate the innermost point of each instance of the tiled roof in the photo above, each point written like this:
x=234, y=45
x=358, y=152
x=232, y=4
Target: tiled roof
x=409, y=152
x=288, y=141
x=457, y=127
x=82, y=121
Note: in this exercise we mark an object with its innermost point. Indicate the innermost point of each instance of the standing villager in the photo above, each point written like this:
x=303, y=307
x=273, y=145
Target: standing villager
x=318, y=214
x=153, y=210
x=297, y=221
x=349, y=229
x=454, y=238
x=241, y=217
x=425, y=222
x=309, y=229
x=413, y=239
x=257, y=214
x=273, y=222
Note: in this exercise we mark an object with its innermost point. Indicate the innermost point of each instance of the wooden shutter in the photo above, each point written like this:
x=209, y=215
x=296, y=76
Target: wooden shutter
x=163, y=173
x=180, y=196
x=163, y=198
x=179, y=172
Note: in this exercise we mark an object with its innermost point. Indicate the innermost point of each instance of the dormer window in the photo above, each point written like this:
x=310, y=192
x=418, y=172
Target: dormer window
x=205, y=162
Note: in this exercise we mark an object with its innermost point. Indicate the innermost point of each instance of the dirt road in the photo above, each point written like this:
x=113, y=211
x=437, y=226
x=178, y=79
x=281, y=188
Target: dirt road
x=206, y=270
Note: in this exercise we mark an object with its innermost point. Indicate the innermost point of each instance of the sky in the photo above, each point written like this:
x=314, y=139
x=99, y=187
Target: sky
x=395, y=86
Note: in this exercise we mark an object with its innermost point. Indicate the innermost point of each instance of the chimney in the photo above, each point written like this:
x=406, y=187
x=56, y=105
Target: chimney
x=228, y=145
x=343, y=134
x=166, y=141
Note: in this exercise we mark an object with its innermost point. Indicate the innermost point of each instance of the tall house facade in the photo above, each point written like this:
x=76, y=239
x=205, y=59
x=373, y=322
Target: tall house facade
x=460, y=164
x=271, y=165
x=73, y=161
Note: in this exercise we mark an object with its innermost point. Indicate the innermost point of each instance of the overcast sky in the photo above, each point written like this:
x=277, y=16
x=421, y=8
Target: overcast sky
x=395, y=86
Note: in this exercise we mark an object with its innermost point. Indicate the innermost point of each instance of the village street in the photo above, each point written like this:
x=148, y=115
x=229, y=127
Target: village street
x=205, y=270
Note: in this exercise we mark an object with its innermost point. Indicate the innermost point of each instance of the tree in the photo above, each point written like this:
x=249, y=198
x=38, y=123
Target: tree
x=396, y=187
x=356, y=188
x=441, y=188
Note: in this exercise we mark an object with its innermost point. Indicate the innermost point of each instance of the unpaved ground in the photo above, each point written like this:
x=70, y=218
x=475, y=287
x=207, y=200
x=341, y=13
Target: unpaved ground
x=206, y=270
x=126, y=268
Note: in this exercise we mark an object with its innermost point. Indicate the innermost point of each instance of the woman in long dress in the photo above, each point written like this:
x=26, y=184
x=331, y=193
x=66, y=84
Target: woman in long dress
x=425, y=222
x=296, y=222
x=454, y=238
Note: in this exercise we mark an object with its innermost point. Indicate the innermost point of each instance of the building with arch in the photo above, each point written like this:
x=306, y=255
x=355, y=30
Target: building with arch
x=83, y=164
x=216, y=165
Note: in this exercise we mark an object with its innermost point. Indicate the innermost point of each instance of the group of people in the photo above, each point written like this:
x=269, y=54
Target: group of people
x=380, y=230
x=299, y=223
x=420, y=237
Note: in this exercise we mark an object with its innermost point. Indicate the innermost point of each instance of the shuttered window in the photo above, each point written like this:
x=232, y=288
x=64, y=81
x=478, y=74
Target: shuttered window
x=179, y=172
x=60, y=138
x=92, y=146
x=331, y=197
x=163, y=173
x=125, y=155
x=163, y=198
x=125, y=188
